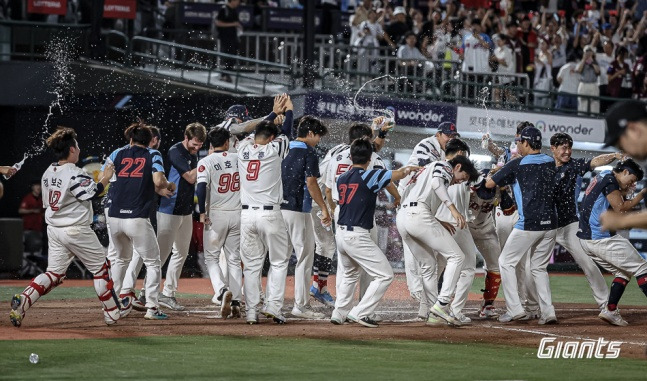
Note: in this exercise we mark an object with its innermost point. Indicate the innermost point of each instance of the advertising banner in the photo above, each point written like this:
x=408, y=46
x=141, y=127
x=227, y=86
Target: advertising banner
x=120, y=9
x=49, y=7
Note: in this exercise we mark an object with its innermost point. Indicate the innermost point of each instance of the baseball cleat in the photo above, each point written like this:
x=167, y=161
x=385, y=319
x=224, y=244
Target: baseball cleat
x=368, y=322
x=548, y=320
x=423, y=311
x=142, y=298
x=126, y=307
x=443, y=313
x=16, y=315
x=462, y=318
x=235, y=309
x=225, y=307
x=613, y=317
x=507, y=318
x=488, y=312
x=352, y=318
x=531, y=315
x=276, y=316
x=155, y=314
x=306, y=313
x=170, y=302
x=216, y=301
x=111, y=317
x=323, y=297
x=435, y=321
x=137, y=304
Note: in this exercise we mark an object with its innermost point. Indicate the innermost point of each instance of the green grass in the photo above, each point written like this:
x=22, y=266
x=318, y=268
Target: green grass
x=192, y=357
x=78, y=293
x=576, y=289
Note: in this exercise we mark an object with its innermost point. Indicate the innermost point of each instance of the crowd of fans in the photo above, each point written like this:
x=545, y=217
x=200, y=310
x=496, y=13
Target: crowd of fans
x=586, y=48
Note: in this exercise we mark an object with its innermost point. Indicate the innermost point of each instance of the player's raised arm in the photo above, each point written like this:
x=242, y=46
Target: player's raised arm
x=401, y=173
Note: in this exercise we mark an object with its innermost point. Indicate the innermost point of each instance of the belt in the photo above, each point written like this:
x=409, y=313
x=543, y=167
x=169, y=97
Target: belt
x=264, y=207
x=410, y=204
x=353, y=228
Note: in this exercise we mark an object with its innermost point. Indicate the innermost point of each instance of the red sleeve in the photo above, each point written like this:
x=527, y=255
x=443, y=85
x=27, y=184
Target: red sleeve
x=532, y=37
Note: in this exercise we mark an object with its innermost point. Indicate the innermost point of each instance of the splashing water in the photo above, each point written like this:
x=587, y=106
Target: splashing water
x=483, y=96
x=390, y=115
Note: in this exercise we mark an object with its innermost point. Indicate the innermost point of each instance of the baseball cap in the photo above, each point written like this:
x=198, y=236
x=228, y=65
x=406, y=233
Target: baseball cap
x=530, y=134
x=619, y=115
x=448, y=128
x=399, y=10
x=238, y=111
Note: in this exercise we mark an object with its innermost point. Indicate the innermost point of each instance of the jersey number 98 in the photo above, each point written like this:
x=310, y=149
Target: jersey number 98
x=229, y=183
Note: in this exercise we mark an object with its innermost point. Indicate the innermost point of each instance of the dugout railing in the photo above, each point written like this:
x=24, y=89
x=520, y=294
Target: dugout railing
x=29, y=41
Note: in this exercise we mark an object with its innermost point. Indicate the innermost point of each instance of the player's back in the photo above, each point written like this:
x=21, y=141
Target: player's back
x=595, y=203
x=460, y=196
x=482, y=202
x=260, y=171
x=65, y=207
x=358, y=190
x=419, y=190
x=134, y=190
x=342, y=162
x=535, y=186
x=426, y=151
x=219, y=171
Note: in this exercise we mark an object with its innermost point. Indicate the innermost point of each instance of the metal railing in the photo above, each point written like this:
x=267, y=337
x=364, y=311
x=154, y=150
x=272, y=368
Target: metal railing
x=29, y=41
x=196, y=65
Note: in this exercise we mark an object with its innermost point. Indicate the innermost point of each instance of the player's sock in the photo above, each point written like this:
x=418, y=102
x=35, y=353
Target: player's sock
x=323, y=265
x=38, y=287
x=103, y=285
x=617, y=289
x=492, y=284
x=642, y=283
x=315, y=272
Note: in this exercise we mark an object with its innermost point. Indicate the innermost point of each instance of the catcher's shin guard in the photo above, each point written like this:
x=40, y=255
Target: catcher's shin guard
x=38, y=287
x=103, y=285
x=492, y=284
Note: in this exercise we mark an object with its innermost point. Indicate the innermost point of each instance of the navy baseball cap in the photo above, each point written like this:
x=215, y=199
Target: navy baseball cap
x=238, y=111
x=448, y=128
x=619, y=115
x=530, y=134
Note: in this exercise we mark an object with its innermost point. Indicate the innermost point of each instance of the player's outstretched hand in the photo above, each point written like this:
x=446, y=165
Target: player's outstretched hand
x=449, y=227
x=279, y=104
x=460, y=220
x=325, y=217
x=8, y=171
x=108, y=170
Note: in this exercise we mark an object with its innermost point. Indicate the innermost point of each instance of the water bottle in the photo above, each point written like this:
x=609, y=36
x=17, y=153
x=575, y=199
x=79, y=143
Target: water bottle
x=17, y=166
x=387, y=121
x=485, y=142
x=320, y=215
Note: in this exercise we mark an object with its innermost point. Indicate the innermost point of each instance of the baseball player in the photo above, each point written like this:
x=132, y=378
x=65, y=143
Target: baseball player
x=128, y=286
x=626, y=125
x=68, y=190
x=504, y=223
x=569, y=178
x=613, y=252
x=262, y=228
x=139, y=172
x=483, y=230
x=300, y=171
x=533, y=177
x=425, y=234
x=218, y=193
x=459, y=195
x=427, y=150
x=357, y=189
x=174, y=220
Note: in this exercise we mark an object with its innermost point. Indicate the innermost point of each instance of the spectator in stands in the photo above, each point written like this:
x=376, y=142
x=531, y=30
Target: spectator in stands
x=417, y=21
x=528, y=40
x=360, y=16
x=638, y=75
x=569, y=82
x=477, y=47
x=506, y=65
x=514, y=42
x=31, y=209
x=543, y=74
x=229, y=26
x=558, y=49
x=590, y=71
x=409, y=52
x=619, y=75
x=604, y=61
x=398, y=27
x=375, y=30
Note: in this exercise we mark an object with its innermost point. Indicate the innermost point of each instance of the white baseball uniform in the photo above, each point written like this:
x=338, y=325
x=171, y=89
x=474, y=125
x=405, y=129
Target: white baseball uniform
x=219, y=171
x=261, y=225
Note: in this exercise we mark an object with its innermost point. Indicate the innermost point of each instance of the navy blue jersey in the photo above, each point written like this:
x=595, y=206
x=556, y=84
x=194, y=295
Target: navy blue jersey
x=111, y=159
x=300, y=163
x=533, y=184
x=134, y=191
x=594, y=204
x=178, y=162
x=569, y=181
x=358, y=193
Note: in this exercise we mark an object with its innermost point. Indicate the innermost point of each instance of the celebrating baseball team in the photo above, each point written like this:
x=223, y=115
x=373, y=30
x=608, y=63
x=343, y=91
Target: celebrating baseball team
x=262, y=192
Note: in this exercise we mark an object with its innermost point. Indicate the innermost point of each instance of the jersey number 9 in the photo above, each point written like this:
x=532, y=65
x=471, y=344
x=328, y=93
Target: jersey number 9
x=253, y=168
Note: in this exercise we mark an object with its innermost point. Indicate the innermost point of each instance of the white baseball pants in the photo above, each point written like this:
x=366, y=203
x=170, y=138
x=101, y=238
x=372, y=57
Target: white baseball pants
x=487, y=243
x=519, y=242
x=262, y=230
x=464, y=240
x=424, y=235
x=301, y=237
x=617, y=255
x=137, y=233
x=68, y=242
x=567, y=237
x=223, y=235
x=173, y=233
x=324, y=239
x=364, y=278
x=358, y=251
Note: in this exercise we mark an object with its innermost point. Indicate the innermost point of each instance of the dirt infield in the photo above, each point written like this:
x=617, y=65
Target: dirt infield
x=54, y=318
